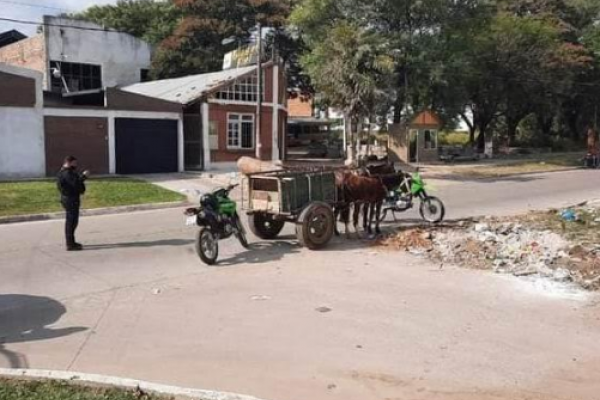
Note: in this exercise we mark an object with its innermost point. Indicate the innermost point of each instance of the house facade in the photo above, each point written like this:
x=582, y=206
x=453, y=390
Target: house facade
x=220, y=114
x=76, y=56
x=110, y=131
x=92, y=102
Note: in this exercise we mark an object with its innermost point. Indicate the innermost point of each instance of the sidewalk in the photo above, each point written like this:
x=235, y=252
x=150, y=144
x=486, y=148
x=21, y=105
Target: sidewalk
x=192, y=184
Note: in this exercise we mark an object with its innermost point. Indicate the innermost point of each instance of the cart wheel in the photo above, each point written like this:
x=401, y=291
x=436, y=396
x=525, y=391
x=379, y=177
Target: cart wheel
x=265, y=226
x=314, y=228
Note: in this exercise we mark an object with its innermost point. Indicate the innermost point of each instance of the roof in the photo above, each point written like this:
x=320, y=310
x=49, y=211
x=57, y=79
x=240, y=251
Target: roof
x=426, y=118
x=188, y=89
x=10, y=37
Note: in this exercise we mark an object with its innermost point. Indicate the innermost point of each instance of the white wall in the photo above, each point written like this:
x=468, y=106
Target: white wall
x=22, y=151
x=21, y=143
x=121, y=56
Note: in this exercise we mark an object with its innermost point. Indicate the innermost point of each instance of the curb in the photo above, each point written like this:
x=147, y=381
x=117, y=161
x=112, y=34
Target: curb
x=93, y=212
x=124, y=383
x=459, y=178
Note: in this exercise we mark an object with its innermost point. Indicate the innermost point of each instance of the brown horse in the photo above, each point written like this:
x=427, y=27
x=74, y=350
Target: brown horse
x=380, y=169
x=360, y=192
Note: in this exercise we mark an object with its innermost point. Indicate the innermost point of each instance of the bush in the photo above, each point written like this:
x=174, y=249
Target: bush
x=564, y=144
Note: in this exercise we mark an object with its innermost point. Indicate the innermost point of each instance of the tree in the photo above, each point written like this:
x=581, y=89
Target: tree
x=196, y=45
x=351, y=68
x=150, y=20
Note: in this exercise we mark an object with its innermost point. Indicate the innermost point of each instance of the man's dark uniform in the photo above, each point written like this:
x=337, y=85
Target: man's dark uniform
x=71, y=186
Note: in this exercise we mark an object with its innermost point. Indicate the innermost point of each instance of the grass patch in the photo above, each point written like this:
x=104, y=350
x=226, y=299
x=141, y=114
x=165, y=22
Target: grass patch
x=585, y=231
x=41, y=196
x=453, y=139
x=550, y=163
x=58, y=390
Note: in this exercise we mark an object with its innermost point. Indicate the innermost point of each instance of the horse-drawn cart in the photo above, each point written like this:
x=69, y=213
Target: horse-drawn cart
x=305, y=199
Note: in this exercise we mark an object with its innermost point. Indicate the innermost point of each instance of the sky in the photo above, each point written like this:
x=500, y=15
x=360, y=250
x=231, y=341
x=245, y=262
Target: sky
x=33, y=10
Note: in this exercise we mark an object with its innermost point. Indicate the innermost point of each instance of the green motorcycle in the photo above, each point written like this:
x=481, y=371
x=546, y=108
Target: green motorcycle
x=218, y=219
x=403, y=198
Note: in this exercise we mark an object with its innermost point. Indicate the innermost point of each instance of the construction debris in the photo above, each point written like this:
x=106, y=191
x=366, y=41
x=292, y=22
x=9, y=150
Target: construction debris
x=521, y=246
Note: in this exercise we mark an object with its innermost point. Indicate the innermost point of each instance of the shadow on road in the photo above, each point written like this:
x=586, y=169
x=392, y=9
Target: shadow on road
x=262, y=252
x=26, y=318
x=155, y=243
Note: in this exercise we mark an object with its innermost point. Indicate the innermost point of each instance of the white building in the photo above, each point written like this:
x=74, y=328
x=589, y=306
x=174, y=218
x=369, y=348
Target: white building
x=77, y=56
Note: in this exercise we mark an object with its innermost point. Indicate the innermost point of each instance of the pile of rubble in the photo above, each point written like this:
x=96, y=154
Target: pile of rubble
x=505, y=247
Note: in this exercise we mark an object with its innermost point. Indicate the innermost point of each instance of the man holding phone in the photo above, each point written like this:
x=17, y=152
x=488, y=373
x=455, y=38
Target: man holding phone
x=71, y=186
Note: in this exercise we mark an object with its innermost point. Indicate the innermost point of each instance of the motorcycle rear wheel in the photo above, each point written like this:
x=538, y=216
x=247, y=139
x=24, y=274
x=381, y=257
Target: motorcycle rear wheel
x=432, y=209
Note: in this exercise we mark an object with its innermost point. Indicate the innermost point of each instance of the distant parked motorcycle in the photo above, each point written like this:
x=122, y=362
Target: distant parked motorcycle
x=404, y=196
x=218, y=219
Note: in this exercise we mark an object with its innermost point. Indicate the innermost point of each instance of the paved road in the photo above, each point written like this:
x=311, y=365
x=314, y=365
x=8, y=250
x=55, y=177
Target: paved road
x=283, y=323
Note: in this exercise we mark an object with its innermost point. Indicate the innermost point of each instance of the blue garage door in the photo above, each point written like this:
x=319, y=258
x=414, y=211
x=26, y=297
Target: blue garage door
x=146, y=146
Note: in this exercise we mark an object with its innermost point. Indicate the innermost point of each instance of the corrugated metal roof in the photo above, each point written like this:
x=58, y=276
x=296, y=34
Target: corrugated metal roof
x=188, y=89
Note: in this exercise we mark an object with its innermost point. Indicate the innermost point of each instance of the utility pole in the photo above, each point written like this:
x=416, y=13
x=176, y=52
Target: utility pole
x=260, y=85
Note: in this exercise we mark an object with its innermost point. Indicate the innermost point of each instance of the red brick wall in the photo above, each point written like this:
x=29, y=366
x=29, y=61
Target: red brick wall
x=27, y=53
x=268, y=85
x=218, y=113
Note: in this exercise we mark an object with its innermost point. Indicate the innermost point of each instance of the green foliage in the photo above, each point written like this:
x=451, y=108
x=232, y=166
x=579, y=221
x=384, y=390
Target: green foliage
x=197, y=46
x=150, y=20
x=350, y=68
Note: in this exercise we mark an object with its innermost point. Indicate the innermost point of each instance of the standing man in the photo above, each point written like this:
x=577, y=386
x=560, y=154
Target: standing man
x=71, y=186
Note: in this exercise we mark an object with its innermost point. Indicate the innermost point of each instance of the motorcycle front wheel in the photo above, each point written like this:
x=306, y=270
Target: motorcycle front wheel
x=432, y=209
x=207, y=246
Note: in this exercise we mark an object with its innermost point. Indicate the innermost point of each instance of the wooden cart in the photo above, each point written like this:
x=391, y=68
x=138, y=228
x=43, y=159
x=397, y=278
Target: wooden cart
x=304, y=198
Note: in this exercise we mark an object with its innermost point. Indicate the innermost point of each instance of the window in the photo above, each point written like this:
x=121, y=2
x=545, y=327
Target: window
x=245, y=90
x=76, y=77
x=430, y=139
x=240, y=131
x=144, y=75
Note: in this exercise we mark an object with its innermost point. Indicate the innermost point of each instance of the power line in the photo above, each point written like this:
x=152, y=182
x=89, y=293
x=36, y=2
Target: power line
x=18, y=3
x=80, y=28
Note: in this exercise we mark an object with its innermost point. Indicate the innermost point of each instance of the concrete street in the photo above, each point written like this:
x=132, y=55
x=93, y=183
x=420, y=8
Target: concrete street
x=283, y=323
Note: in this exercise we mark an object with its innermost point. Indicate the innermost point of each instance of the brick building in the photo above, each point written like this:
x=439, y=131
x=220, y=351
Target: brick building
x=220, y=112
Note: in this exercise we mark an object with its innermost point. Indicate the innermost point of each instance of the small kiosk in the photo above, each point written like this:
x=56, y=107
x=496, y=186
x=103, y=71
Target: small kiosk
x=416, y=142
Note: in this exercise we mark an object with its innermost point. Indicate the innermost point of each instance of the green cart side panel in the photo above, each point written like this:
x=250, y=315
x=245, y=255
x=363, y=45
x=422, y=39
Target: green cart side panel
x=292, y=191
x=302, y=189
